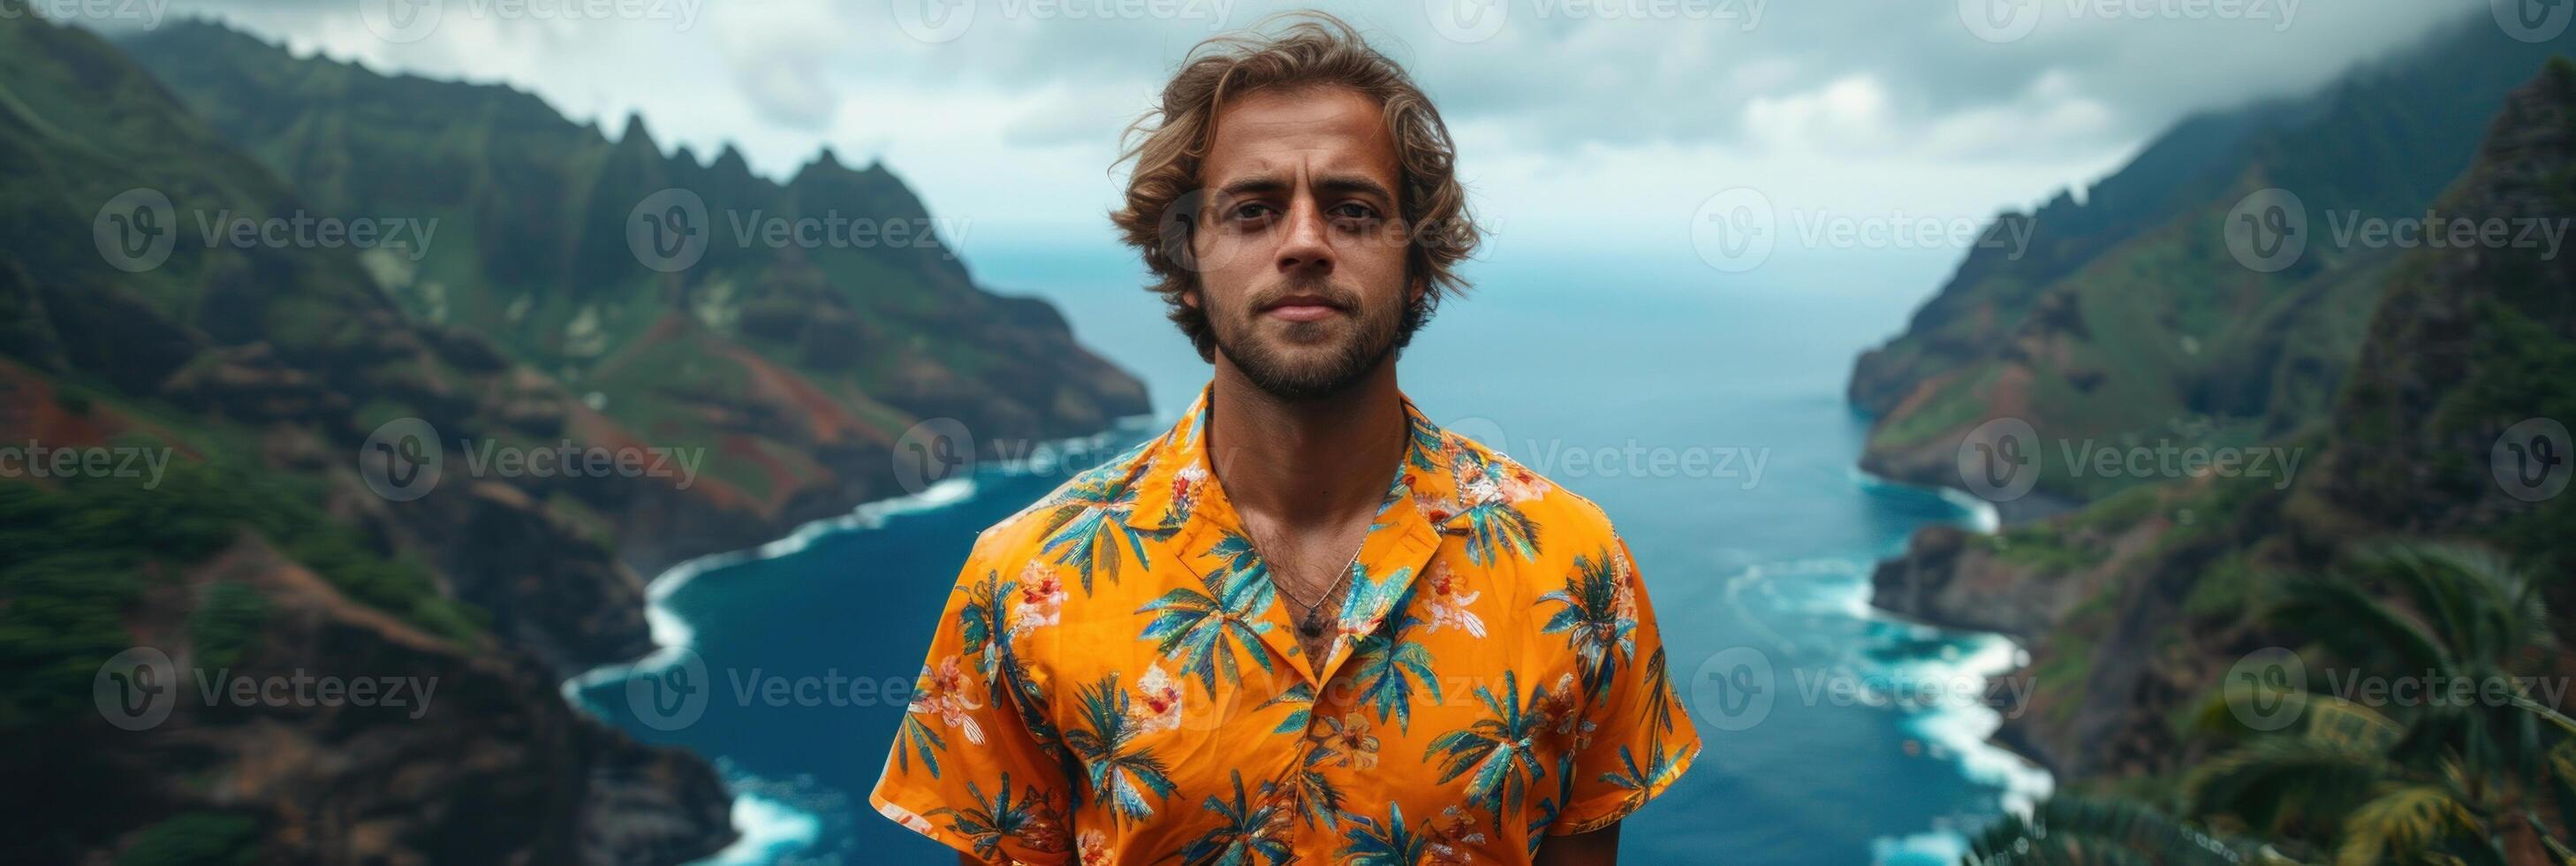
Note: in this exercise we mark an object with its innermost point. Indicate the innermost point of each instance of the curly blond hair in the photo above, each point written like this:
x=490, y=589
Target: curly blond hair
x=1313, y=50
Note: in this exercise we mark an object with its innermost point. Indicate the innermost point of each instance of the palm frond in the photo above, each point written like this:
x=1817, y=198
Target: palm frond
x=2076, y=831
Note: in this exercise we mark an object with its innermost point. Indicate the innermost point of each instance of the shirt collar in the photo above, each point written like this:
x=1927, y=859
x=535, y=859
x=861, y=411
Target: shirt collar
x=1174, y=480
x=1177, y=496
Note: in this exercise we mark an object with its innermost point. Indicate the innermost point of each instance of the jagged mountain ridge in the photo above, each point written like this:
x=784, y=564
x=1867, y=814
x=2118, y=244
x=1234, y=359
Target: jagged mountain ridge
x=2128, y=321
x=263, y=370
x=2135, y=606
x=794, y=368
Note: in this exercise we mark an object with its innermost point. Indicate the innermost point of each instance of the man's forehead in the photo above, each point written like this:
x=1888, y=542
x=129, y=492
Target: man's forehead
x=1335, y=130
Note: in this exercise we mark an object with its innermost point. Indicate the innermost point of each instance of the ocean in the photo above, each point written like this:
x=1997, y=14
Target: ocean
x=1705, y=415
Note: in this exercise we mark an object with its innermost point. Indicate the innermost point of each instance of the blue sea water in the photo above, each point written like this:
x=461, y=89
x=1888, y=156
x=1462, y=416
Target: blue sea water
x=1705, y=416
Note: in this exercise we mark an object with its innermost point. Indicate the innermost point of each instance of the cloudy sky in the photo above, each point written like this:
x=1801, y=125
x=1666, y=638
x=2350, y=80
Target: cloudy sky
x=1584, y=124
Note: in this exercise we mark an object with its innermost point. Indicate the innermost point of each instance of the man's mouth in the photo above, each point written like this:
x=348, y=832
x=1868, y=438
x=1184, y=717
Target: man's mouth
x=1302, y=308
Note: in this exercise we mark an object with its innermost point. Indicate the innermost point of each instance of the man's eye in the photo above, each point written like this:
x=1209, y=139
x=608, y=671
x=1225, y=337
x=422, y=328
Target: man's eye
x=1253, y=212
x=1354, y=213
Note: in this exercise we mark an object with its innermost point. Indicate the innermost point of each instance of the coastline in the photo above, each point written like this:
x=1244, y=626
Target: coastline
x=765, y=824
x=772, y=821
x=1976, y=734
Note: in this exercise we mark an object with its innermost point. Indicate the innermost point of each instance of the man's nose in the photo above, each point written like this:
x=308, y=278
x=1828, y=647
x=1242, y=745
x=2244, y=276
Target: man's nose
x=1308, y=246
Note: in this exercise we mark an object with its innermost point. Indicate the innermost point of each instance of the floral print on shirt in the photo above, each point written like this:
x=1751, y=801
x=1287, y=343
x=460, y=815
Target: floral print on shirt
x=1116, y=680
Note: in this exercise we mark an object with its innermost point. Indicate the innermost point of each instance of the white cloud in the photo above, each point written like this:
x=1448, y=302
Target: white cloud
x=1574, y=124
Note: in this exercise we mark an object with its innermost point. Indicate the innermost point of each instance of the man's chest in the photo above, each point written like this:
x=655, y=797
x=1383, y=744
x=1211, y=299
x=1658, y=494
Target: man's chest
x=1189, y=681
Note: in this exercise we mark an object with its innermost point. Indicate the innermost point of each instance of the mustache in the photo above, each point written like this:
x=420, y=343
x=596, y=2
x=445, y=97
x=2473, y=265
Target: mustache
x=1313, y=286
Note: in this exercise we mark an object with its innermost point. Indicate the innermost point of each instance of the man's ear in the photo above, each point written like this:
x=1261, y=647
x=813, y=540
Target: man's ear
x=1190, y=296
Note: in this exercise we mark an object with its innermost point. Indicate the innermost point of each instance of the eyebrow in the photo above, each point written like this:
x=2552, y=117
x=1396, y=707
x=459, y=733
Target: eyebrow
x=1261, y=184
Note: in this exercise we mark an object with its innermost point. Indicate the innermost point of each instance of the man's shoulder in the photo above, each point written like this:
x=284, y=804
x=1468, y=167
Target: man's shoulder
x=1544, y=500
x=1108, y=486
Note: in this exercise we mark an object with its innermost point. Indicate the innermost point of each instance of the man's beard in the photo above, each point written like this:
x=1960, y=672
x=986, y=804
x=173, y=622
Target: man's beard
x=1279, y=373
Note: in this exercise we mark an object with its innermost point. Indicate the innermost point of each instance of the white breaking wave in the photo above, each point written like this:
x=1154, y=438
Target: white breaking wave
x=773, y=829
x=1968, y=731
x=1963, y=730
x=1982, y=515
x=770, y=830
x=671, y=633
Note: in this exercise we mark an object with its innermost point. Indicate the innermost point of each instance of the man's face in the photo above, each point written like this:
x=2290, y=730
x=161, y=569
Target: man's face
x=1300, y=249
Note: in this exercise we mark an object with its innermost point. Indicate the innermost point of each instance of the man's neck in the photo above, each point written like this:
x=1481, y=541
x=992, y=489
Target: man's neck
x=1305, y=463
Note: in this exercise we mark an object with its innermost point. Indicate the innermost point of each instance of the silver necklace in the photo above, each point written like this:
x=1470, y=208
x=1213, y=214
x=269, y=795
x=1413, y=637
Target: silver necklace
x=1312, y=624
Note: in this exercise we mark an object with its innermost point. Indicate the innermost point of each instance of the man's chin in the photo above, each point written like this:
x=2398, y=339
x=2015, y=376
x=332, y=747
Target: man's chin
x=1301, y=372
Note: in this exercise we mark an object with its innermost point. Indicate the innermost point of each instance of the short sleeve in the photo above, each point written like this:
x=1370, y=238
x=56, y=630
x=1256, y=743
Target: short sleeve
x=1638, y=738
x=974, y=763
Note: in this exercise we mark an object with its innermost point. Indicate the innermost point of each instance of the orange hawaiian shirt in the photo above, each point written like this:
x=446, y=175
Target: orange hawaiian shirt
x=1116, y=680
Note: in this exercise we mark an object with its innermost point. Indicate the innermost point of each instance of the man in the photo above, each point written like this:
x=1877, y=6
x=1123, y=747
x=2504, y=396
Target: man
x=1305, y=623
